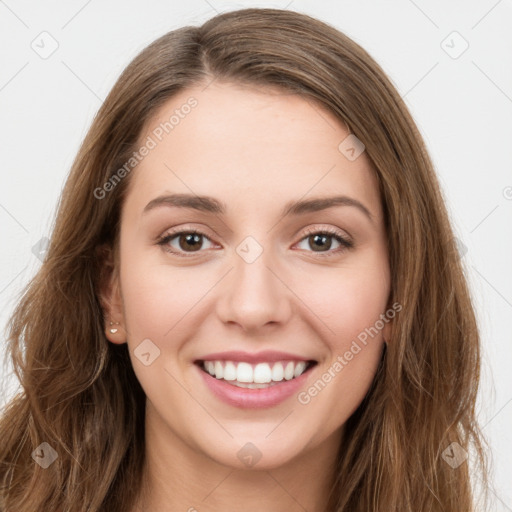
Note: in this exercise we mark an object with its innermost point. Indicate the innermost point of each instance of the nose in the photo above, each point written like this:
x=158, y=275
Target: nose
x=254, y=296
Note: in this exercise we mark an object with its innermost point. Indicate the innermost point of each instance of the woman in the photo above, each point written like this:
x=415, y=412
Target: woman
x=252, y=296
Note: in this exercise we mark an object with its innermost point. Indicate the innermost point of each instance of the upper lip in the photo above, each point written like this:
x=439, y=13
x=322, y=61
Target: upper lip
x=266, y=356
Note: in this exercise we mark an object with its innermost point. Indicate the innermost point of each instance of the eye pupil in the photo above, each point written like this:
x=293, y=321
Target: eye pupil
x=321, y=241
x=190, y=241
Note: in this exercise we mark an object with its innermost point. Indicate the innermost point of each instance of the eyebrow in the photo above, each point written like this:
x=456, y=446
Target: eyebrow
x=211, y=205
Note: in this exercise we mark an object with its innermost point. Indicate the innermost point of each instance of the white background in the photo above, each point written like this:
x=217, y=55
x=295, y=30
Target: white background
x=463, y=107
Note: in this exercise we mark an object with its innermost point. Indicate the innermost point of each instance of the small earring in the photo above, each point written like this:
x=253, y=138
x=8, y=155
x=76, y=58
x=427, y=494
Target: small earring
x=113, y=330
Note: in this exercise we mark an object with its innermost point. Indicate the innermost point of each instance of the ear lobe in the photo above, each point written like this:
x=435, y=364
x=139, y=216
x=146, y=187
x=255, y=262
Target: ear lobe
x=386, y=331
x=109, y=294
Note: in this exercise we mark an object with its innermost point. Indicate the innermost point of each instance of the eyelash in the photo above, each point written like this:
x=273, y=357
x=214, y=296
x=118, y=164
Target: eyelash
x=344, y=243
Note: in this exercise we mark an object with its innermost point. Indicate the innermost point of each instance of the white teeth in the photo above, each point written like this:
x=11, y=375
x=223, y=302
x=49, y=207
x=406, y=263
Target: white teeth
x=260, y=375
x=229, y=371
x=299, y=368
x=288, y=371
x=219, y=370
x=244, y=373
x=278, y=372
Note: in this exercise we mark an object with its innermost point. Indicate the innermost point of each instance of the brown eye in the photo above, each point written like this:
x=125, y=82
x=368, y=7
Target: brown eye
x=324, y=242
x=190, y=241
x=320, y=242
x=183, y=242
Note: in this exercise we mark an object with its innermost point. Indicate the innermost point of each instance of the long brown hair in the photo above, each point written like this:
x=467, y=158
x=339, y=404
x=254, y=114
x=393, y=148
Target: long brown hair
x=79, y=392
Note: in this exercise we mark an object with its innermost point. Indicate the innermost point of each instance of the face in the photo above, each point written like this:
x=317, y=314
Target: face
x=253, y=249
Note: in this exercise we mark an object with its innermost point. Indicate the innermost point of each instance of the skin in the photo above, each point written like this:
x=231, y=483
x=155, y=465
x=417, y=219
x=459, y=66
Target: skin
x=254, y=150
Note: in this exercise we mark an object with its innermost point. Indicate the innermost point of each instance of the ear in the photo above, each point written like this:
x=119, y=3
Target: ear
x=386, y=331
x=110, y=297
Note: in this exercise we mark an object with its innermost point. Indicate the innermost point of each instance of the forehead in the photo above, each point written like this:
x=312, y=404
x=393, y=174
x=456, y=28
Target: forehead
x=245, y=144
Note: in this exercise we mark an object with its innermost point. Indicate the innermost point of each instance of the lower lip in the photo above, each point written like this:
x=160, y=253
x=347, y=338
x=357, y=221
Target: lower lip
x=253, y=398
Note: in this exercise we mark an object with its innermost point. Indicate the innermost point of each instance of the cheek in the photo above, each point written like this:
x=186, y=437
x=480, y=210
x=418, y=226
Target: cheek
x=155, y=295
x=156, y=298
x=158, y=302
x=348, y=299
x=350, y=305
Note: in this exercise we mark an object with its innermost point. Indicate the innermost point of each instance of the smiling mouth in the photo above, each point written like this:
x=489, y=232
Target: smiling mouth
x=255, y=376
